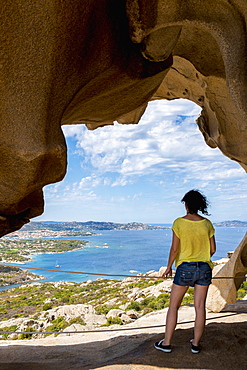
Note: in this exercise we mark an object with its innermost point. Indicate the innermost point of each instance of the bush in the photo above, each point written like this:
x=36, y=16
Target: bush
x=57, y=325
x=150, y=304
x=134, y=306
x=114, y=320
x=47, y=306
x=103, y=309
x=11, y=328
x=76, y=320
x=156, y=303
x=242, y=291
x=27, y=336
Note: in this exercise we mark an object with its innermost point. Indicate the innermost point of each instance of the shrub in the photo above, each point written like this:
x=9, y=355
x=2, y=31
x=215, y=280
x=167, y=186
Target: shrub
x=103, y=309
x=47, y=306
x=156, y=303
x=57, y=325
x=27, y=336
x=241, y=294
x=65, y=299
x=150, y=304
x=134, y=306
x=76, y=320
x=114, y=320
x=242, y=291
x=11, y=328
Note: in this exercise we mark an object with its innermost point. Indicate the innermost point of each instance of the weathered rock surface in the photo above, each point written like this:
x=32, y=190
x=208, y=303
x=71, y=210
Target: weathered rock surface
x=133, y=349
x=224, y=291
x=100, y=61
x=86, y=312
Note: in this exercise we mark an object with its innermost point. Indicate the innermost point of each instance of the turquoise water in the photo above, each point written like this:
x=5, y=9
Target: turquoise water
x=119, y=252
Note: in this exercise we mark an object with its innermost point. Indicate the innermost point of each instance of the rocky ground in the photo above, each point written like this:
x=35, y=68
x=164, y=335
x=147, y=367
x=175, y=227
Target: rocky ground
x=130, y=347
x=81, y=316
x=88, y=345
x=224, y=346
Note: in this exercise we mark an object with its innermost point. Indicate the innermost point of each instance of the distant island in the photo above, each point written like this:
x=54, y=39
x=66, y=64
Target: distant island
x=53, y=229
x=234, y=223
x=74, y=227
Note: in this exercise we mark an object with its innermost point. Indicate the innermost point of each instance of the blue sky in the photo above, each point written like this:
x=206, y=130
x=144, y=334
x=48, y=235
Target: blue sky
x=126, y=173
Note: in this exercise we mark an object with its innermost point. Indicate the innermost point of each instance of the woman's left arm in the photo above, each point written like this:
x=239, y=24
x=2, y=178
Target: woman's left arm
x=172, y=255
x=212, y=245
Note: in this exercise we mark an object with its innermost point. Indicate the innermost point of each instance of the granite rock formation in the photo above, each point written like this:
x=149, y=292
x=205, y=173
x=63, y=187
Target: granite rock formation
x=95, y=62
x=223, y=291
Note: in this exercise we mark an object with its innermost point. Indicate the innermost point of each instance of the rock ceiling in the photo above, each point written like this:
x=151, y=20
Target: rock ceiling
x=94, y=62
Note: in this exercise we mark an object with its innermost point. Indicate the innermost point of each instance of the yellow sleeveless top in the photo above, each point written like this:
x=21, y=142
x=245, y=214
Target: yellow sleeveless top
x=194, y=238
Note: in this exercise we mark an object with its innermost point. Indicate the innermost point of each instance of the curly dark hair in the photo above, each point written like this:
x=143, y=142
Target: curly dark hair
x=195, y=202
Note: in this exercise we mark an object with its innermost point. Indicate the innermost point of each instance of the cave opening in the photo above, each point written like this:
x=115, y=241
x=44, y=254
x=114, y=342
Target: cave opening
x=139, y=172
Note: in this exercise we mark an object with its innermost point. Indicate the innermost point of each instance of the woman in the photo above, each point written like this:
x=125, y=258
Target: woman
x=193, y=244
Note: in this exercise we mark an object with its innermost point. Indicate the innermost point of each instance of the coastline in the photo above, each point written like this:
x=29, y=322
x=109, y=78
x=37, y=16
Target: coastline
x=138, y=251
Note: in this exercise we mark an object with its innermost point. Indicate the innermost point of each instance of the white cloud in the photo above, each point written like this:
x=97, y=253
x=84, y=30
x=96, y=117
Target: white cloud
x=161, y=142
x=142, y=171
x=121, y=181
x=90, y=182
x=69, y=193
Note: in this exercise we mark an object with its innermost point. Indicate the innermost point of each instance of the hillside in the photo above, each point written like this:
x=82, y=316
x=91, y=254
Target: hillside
x=74, y=227
x=14, y=275
x=234, y=223
x=88, y=226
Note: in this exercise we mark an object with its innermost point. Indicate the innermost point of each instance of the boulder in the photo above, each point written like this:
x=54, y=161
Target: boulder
x=227, y=279
x=115, y=313
x=132, y=314
x=86, y=312
x=75, y=328
x=37, y=325
x=135, y=293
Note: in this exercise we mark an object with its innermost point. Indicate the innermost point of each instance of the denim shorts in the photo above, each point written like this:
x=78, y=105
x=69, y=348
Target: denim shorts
x=191, y=273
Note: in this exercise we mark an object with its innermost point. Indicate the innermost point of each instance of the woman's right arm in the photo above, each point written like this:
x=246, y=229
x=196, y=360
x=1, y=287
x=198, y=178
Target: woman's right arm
x=212, y=245
x=172, y=255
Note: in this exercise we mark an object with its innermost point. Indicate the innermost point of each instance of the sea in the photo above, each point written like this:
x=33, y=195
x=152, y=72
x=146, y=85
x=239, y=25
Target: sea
x=120, y=252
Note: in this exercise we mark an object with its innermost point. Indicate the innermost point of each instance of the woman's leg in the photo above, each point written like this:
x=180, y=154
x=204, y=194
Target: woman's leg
x=200, y=294
x=176, y=297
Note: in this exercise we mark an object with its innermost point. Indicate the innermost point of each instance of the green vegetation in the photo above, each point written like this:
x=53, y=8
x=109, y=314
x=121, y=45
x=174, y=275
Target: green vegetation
x=57, y=325
x=104, y=295
x=242, y=291
x=29, y=329
x=144, y=283
x=30, y=300
x=47, y=306
x=11, y=328
x=113, y=321
x=103, y=309
x=15, y=275
x=22, y=250
x=152, y=303
x=60, y=324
